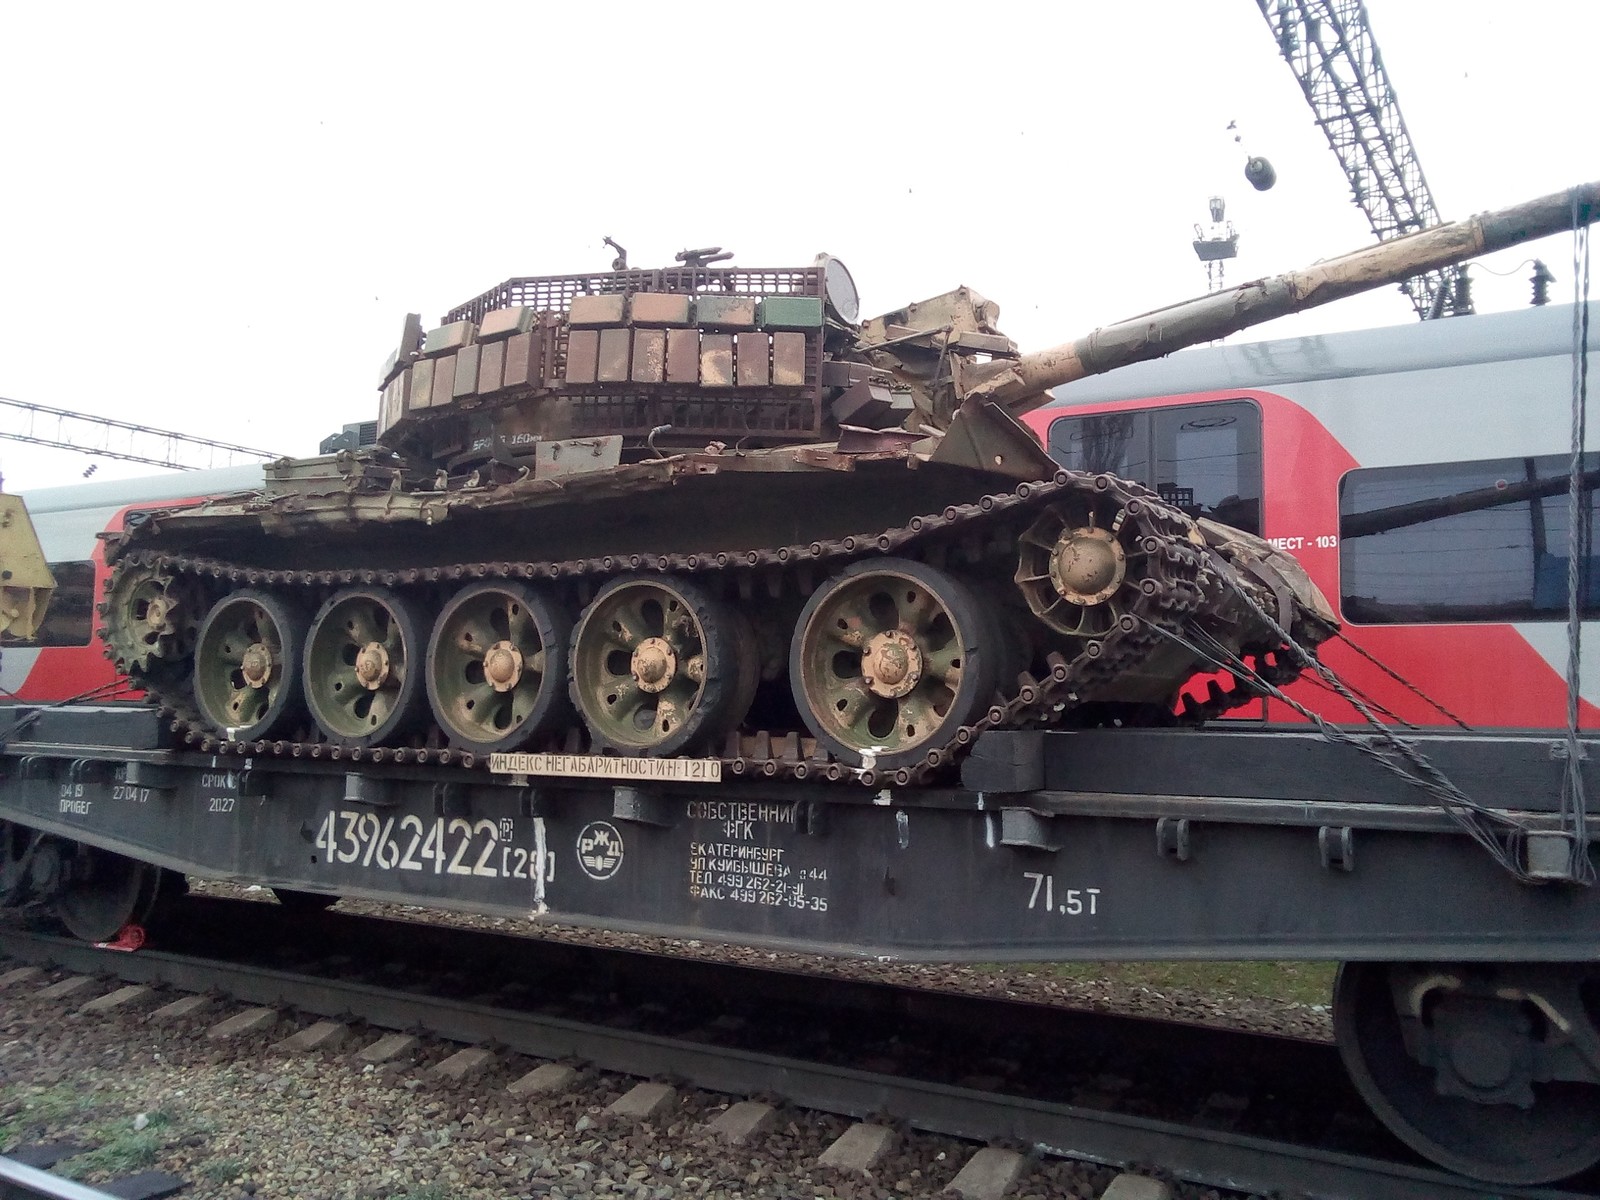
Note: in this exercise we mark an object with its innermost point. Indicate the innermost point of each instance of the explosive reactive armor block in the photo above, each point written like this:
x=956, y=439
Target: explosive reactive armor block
x=711, y=352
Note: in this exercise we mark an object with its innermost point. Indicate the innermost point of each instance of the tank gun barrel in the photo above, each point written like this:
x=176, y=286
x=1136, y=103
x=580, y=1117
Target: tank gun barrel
x=1022, y=385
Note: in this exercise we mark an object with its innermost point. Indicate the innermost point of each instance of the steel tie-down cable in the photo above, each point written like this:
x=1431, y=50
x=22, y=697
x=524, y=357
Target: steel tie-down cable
x=1574, y=805
x=1485, y=825
x=1400, y=679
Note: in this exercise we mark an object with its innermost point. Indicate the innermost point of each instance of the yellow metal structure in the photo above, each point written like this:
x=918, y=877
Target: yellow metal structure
x=26, y=583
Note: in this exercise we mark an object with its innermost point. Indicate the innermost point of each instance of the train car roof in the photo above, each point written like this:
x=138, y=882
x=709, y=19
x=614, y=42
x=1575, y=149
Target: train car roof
x=174, y=485
x=1456, y=341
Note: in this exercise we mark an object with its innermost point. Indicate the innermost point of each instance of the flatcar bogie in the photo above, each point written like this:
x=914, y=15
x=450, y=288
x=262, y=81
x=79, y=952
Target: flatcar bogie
x=1490, y=1069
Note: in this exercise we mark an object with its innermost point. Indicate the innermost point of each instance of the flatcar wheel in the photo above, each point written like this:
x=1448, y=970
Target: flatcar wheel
x=246, y=665
x=1464, y=1078
x=497, y=665
x=655, y=666
x=889, y=659
x=364, y=666
x=105, y=892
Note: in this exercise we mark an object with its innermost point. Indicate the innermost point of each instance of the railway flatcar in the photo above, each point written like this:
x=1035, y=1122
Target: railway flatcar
x=1420, y=474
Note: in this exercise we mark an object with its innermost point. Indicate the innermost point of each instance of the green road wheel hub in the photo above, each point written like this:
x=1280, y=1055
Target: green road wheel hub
x=496, y=665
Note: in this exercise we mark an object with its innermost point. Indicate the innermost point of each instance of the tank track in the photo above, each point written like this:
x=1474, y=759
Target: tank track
x=971, y=532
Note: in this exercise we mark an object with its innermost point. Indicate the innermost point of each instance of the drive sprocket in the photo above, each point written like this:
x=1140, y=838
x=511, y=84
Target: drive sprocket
x=152, y=619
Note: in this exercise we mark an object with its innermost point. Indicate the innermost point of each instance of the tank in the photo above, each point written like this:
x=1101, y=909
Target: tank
x=707, y=520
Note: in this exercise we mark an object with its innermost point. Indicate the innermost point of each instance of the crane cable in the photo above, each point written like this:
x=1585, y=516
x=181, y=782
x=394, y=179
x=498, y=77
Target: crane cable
x=1574, y=805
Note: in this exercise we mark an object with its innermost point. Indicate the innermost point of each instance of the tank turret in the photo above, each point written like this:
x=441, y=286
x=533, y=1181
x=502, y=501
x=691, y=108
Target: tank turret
x=678, y=357
x=708, y=510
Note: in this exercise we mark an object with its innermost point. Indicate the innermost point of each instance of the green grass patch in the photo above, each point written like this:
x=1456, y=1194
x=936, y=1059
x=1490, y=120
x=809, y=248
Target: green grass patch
x=129, y=1151
x=429, y=1191
x=123, y=1149
x=48, y=1105
x=222, y=1170
x=1292, y=982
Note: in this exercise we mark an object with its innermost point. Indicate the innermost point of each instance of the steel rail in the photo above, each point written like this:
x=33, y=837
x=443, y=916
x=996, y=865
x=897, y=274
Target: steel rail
x=19, y=1181
x=1207, y=1157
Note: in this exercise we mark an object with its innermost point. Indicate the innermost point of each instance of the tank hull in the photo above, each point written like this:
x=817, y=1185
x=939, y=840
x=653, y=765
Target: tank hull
x=782, y=563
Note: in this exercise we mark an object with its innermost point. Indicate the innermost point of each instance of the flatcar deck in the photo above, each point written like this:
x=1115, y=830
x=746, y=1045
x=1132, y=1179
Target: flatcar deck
x=1214, y=843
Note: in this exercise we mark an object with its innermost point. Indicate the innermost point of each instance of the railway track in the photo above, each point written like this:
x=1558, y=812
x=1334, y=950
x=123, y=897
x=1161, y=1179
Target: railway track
x=1216, y=1108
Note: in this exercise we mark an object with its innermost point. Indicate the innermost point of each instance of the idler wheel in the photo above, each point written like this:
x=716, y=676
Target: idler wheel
x=1087, y=565
x=657, y=666
x=364, y=666
x=247, y=665
x=889, y=659
x=1072, y=565
x=497, y=665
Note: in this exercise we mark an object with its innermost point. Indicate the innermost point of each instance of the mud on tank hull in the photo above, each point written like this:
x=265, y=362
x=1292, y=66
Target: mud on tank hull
x=797, y=611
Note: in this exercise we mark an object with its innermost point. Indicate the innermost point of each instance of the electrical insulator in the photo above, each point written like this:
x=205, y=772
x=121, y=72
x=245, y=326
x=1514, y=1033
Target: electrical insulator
x=1541, y=280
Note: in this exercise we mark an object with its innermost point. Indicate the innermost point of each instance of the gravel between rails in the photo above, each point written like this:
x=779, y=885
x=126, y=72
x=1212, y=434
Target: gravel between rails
x=1254, y=1014
x=241, y=1120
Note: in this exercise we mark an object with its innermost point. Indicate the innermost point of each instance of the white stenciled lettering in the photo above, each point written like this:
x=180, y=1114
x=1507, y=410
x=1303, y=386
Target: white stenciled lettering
x=481, y=849
x=742, y=813
x=750, y=874
x=1044, y=896
x=605, y=766
x=76, y=807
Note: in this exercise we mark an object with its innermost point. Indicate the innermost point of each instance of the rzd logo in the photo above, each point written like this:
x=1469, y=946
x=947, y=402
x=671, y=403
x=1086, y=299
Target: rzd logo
x=599, y=850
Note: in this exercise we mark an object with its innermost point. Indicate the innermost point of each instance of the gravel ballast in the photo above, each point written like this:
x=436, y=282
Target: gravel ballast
x=240, y=1119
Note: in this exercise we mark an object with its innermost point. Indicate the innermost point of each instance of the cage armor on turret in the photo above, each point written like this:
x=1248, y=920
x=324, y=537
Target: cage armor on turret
x=708, y=511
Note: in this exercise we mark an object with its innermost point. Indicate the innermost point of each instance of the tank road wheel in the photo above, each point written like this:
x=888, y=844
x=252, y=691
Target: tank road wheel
x=152, y=619
x=364, y=666
x=497, y=663
x=655, y=666
x=247, y=665
x=101, y=892
x=1491, y=1070
x=889, y=659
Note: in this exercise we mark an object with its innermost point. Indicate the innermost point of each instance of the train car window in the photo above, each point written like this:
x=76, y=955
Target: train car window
x=70, y=620
x=1115, y=443
x=1203, y=458
x=1208, y=461
x=1464, y=542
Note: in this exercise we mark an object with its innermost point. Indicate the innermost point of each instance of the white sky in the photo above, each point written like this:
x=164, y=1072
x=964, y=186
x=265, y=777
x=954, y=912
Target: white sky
x=213, y=218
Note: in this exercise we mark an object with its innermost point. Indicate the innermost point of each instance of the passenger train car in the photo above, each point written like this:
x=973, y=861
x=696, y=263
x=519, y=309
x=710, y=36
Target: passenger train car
x=1419, y=471
x=66, y=659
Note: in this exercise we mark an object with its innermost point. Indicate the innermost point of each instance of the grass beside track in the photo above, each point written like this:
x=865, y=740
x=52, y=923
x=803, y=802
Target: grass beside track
x=1289, y=982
